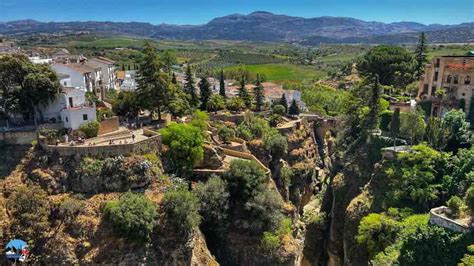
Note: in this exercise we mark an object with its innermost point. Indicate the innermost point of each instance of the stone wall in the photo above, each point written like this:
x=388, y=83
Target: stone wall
x=109, y=125
x=18, y=137
x=145, y=146
x=437, y=218
x=234, y=118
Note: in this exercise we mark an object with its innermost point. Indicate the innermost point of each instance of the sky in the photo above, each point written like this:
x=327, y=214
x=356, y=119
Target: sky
x=201, y=11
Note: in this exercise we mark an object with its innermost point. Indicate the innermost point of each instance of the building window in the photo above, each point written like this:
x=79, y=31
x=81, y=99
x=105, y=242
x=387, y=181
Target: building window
x=437, y=62
x=467, y=80
x=65, y=83
x=433, y=90
x=84, y=117
x=456, y=77
x=435, y=78
x=449, y=79
x=67, y=120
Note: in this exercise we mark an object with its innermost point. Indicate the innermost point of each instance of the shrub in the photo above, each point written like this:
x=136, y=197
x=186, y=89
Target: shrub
x=70, y=208
x=470, y=199
x=455, y=204
x=277, y=145
x=90, y=129
x=270, y=242
x=133, y=216
x=279, y=110
x=185, y=144
x=181, y=211
x=246, y=179
x=226, y=134
x=376, y=232
x=385, y=118
x=244, y=132
x=29, y=210
x=214, y=200
x=264, y=211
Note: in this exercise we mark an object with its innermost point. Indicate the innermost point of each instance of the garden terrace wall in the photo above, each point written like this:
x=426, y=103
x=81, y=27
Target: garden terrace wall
x=234, y=118
x=438, y=219
x=109, y=125
x=151, y=144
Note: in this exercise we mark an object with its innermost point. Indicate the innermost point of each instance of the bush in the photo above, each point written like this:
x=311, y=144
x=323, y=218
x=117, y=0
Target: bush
x=264, y=211
x=246, y=179
x=270, y=242
x=277, y=145
x=70, y=209
x=455, y=204
x=470, y=199
x=133, y=216
x=90, y=129
x=181, y=211
x=185, y=144
x=376, y=232
x=279, y=110
x=214, y=200
x=226, y=134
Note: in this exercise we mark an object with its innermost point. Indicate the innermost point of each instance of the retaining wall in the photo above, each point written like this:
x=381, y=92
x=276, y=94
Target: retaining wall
x=109, y=125
x=18, y=137
x=438, y=219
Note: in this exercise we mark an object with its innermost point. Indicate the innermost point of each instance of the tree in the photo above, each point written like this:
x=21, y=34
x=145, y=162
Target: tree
x=264, y=211
x=457, y=130
x=126, y=104
x=169, y=59
x=189, y=87
x=392, y=64
x=153, y=85
x=246, y=179
x=376, y=232
x=222, y=85
x=455, y=204
x=29, y=209
x=243, y=93
x=470, y=199
x=278, y=109
x=259, y=95
x=294, y=109
x=90, y=129
x=181, y=207
x=213, y=202
x=216, y=103
x=283, y=102
x=226, y=134
x=395, y=126
x=205, y=91
x=185, y=144
x=420, y=56
x=132, y=216
x=178, y=103
x=413, y=125
x=25, y=86
x=470, y=114
x=277, y=145
x=173, y=79
x=235, y=104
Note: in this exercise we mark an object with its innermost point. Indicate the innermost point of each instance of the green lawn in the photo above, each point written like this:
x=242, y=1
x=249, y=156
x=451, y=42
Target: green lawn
x=282, y=72
x=450, y=50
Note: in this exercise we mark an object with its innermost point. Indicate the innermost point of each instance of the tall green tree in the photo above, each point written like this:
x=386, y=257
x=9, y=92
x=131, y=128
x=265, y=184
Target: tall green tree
x=169, y=59
x=24, y=87
x=173, y=79
x=243, y=93
x=457, y=131
x=395, y=126
x=259, y=95
x=283, y=102
x=189, y=87
x=222, y=84
x=205, y=91
x=470, y=114
x=413, y=125
x=294, y=109
x=153, y=85
x=420, y=56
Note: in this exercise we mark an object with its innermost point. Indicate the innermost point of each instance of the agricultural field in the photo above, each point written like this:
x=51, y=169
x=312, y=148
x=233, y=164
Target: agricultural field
x=281, y=73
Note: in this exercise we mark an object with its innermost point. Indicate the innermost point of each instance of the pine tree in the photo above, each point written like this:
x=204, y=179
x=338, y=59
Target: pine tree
x=244, y=94
x=173, y=79
x=420, y=56
x=205, y=91
x=283, y=102
x=153, y=85
x=395, y=126
x=222, y=85
x=294, y=109
x=189, y=87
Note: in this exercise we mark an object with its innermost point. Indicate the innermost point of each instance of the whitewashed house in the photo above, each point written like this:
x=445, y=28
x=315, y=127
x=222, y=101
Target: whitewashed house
x=82, y=76
x=109, y=77
x=70, y=107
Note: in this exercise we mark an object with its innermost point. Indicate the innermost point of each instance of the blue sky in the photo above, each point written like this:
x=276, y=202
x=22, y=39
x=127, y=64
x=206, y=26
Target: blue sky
x=201, y=11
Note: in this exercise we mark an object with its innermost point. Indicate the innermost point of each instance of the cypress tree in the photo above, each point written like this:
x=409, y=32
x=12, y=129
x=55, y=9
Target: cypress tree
x=284, y=102
x=189, y=87
x=420, y=56
x=395, y=126
x=259, y=95
x=205, y=91
x=243, y=93
x=173, y=80
x=294, y=109
x=222, y=84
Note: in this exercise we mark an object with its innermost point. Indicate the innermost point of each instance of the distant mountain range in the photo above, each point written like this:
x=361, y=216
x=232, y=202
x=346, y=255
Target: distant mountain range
x=261, y=26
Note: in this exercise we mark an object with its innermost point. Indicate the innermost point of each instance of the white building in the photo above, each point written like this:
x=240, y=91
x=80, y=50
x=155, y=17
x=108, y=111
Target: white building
x=38, y=60
x=82, y=76
x=70, y=108
x=109, y=78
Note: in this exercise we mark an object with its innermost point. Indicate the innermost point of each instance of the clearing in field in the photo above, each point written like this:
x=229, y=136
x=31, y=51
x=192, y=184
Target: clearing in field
x=282, y=72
